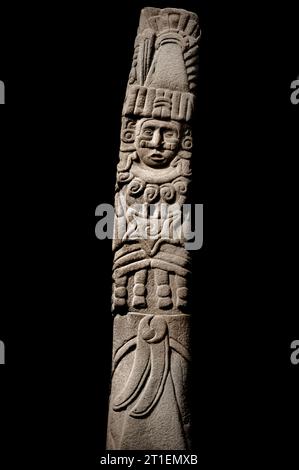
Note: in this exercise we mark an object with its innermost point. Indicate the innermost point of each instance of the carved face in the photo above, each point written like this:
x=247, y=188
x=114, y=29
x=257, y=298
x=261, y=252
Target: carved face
x=157, y=142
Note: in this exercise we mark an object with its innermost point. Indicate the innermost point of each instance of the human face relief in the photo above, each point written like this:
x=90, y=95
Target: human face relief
x=157, y=142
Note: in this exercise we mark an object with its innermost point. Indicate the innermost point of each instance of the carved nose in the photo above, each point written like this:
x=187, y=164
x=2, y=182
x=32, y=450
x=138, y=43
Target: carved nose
x=157, y=138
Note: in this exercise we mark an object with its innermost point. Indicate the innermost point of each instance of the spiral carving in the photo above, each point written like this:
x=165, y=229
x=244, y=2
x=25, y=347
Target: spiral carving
x=151, y=193
x=136, y=187
x=167, y=192
x=124, y=177
x=181, y=186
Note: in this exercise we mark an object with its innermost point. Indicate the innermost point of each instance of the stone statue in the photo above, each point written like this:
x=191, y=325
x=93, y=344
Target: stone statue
x=149, y=407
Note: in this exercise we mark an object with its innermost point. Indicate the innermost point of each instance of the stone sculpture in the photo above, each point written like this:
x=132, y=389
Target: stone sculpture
x=149, y=407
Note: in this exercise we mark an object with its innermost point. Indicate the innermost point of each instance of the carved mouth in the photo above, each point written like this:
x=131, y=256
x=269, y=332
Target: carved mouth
x=157, y=157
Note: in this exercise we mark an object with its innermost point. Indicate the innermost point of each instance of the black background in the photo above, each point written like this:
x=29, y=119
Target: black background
x=65, y=71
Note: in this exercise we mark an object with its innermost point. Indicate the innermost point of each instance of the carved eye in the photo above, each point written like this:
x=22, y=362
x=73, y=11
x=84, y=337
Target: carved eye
x=169, y=134
x=148, y=132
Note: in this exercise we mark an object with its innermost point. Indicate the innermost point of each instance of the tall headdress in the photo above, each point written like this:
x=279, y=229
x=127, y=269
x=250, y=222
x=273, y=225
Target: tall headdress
x=164, y=68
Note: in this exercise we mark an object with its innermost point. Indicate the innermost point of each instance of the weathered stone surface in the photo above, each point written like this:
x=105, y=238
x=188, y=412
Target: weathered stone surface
x=149, y=406
x=149, y=409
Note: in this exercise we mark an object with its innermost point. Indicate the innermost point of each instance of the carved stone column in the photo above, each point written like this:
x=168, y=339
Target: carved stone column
x=149, y=407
